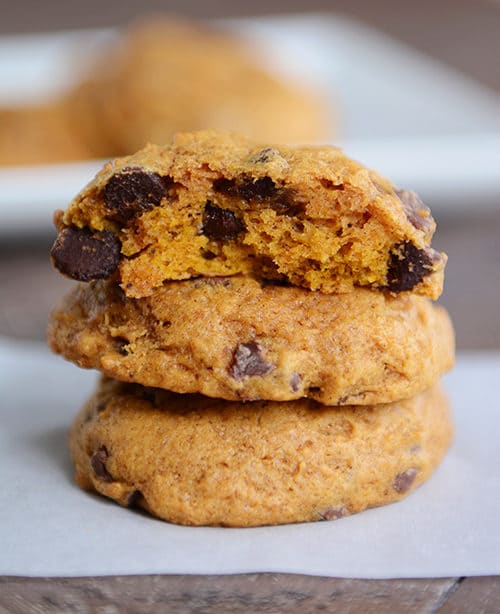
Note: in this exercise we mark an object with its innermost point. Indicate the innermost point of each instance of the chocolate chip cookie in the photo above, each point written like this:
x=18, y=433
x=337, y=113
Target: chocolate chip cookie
x=216, y=204
x=237, y=338
x=193, y=460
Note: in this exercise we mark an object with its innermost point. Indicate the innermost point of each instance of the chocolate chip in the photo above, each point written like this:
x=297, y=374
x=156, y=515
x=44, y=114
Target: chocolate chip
x=265, y=155
x=84, y=254
x=332, y=513
x=207, y=254
x=121, y=345
x=404, y=480
x=225, y=186
x=133, y=498
x=221, y=224
x=98, y=464
x=133, y=191
x=295, y=382
x=418, y=213
x=101, y=405
x=407, y=266
x=247, y=188
x=247, y=361
x=262, y=190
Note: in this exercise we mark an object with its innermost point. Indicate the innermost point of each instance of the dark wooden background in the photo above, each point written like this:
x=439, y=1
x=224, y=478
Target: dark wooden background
x=462, y=33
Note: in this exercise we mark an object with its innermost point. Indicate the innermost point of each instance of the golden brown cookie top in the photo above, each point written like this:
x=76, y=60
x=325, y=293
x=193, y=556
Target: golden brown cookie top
x=233, y=338
x=215, y=203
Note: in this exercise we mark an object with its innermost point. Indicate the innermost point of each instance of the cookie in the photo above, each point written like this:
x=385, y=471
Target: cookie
x=41, y=134
x=235, y=338
x=166, y=75
x=193, y=460
x=216, y=204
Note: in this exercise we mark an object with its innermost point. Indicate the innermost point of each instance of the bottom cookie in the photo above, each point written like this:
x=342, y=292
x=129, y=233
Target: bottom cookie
x=193, y=460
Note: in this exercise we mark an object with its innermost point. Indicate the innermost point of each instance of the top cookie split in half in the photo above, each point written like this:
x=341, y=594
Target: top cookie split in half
x=218, y=204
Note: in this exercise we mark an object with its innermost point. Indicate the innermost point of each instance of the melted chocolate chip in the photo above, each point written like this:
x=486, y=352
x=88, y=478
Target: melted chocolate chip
x=418, y=213
x=407, y=266
x=221, y=224
x=257, y=189
x=98, y=464
x=295, y=382
x=261, y=190
x=225, y=186
x=133, y=191
x=121, y=344
x=100, y=406
x=404, y=480
x=246, y=187
x=84, y=254
x=265, y=155
x=247, y=361
x=132, y=499
x=207, y=254
x=332, y=513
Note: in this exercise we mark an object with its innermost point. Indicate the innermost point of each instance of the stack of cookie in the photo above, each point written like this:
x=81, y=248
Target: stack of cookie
x=263, y=320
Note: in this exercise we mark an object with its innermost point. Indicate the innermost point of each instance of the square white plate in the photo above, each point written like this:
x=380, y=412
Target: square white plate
x=422, y=124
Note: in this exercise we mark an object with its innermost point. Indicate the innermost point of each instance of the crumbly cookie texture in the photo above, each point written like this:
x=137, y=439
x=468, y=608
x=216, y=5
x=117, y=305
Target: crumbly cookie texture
x=235, y=338
x=218, y=204
x=166, y=75
x=193, y=460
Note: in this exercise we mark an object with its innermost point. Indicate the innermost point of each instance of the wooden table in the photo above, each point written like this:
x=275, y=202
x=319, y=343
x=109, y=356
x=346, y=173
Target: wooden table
x=463, y=33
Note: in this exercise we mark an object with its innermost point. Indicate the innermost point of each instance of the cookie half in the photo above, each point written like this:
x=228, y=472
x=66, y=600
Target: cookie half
x=193, y=460
x=234, y=338
x=214, y=203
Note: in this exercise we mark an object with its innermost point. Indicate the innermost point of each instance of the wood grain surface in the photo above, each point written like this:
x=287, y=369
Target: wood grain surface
x=463, y=33
x=225, y=594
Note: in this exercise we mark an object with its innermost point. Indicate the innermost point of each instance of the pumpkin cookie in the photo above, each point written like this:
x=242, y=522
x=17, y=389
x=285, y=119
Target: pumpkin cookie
x=218, y=204
x=237, y=339
x=193, y=460
x=166, y=75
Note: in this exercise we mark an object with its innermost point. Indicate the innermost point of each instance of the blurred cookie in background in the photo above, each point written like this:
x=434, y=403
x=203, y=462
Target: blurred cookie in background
x=167, y=75
x=40, y=134
x=161, y=76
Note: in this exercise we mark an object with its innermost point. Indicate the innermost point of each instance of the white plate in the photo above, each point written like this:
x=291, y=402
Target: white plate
x=422, y=124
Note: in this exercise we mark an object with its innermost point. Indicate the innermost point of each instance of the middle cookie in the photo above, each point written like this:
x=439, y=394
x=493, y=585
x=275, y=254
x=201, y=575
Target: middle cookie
x=234, y=338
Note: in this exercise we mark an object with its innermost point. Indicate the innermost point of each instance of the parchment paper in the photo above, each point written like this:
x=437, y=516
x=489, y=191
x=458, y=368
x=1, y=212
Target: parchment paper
x=49, y=527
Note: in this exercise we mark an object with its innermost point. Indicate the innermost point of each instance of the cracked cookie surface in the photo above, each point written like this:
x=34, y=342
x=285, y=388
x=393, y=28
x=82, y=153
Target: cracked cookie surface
x=193, y=460
x=214, y=204
x=236, y=338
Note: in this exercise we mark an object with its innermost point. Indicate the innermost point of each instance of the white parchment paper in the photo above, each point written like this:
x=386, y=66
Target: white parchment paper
x=49, y=527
